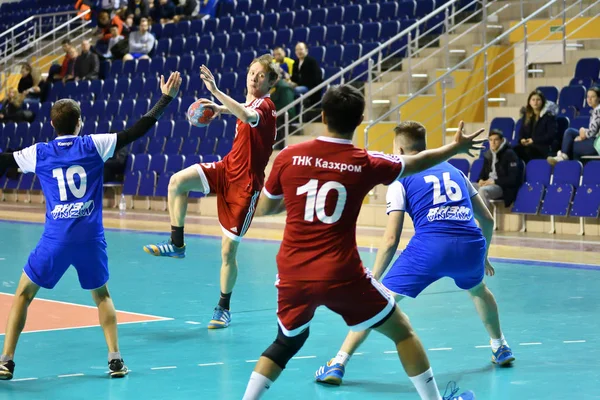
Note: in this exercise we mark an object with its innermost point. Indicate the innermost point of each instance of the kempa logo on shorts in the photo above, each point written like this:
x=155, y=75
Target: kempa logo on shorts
x=73, y=210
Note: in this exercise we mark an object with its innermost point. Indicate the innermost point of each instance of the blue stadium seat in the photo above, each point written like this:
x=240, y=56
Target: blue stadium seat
x=103, y=127
x=173, y=146
x=126, y=109
x=121, y=89
x=226, y=24
x=190, y=146
x=118, y=125
x=272, y=6
x=388, y=10
x=242, y=7
x=580, y=122
x=209, y=158
x=224, y=146
x=318, y=17
x=352, y=13
x=26, y=182
x=239, y=23
x=136, y=87
x=370, y=31
x=317, y=35
x=300, y=35
x=302, y=18
x=210, y=25
x=207, y=42
x=89, y=128
x=164, y=128
x=142, y=162
x=171, y=65
x=163, y=47
x=571, y=96
x=255, y=22
x=585, y=82
x=529, y=198
x=129, y=68
x=335, y=15
x=284, y=37
x=371, y=12
x=162, y=184
x=215, y=62
x=462, y=164
x=157, y=66
x=158, y=163
x=407, y=9
x=588, y=68
x=270, y=21
x=191, y=45
x=221, y=42
x=199, y=60
x=334, y=55
x=476, y=168
x=207, y=145
x=424, y=7
x=560, y=193
x=147, y=184
x=131, y=182
x=335, y=34
x=505, y=125
x=586, y=202
x=112, y=108
x=216, y=129
x=192, y=160
x=538, y=171
x=143, y=67
x=352, y=33
x=286, y=20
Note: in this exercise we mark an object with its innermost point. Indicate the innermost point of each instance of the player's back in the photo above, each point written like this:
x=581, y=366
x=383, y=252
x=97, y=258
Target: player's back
x=70, y=170
x=439, y=201
x=324, y=182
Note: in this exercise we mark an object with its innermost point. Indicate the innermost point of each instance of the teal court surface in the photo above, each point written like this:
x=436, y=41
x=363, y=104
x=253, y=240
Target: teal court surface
x=549, y=313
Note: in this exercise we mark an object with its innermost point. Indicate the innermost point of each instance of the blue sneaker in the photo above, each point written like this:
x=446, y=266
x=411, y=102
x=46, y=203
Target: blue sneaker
x=468, y=395
x=221, y=318
x=165, y=249
x=331, y=374
x=503, y=356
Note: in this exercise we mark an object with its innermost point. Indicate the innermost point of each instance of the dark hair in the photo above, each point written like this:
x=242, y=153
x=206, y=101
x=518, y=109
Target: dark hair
x=528, y=109
x=413, y=133
x=279, y=47
x=114, y=26
x=496, y=132
x=65, y=114
x=343, y=107
x=272, y=69
x=27, y=66
x=596, y=90
x=66, y=41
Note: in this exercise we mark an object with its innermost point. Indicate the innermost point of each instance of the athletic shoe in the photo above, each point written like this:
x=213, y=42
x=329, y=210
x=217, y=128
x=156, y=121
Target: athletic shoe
x=332, y=374
x=117, y=368
x=468, y=395
x=220, y=319
x=503, y=356
x=165, y=249
x=7, y=368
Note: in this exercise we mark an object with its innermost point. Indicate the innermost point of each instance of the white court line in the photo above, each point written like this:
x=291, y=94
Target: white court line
x=192, y=322
x=303, y=357
x=487, y=346
x=358, y=354
x=93, y=307
x=251, y=361
x=159, y=368
x=92, y=326
x=530, y=344
x=390, y=352
x=210, y=364
x=573, y=341
x=441, y=349
x=24, y=379
x=70, y=375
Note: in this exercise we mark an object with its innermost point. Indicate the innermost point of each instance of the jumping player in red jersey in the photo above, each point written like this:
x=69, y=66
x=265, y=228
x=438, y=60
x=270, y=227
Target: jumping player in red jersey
x=322, y=184
x=236, y=180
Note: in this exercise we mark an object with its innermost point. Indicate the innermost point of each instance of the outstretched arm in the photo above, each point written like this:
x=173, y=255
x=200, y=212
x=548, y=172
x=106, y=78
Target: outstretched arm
x=144, y=124
x=230, y=106
x=7, y=160
x=426, y=159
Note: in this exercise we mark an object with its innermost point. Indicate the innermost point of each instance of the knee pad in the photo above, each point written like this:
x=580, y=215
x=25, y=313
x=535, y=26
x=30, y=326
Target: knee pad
x=284, y=348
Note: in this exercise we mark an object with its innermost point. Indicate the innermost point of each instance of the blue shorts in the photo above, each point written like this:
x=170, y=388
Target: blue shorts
x=49, y=261
x=137, y=55
x=429, y=258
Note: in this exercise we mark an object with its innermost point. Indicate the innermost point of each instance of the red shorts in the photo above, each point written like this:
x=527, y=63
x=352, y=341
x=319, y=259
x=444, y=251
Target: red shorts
x=235, y=204
x=362, y=303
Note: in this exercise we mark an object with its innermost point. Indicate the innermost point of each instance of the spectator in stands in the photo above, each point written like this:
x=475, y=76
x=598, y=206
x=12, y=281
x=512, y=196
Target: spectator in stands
x=306, y=73
x=114, y=167
x=103, y=34
x=66, y=45
x=187, y=10
x=110, y=6
x=29, y=84
x=138, y=9
x=208, y=8
x=11, y=106
x=578, y=143
x=501, y=174
x=285, y=63
x=70, y=71
x=140, y=42
x=282, y=94
x=538, y=129
x=117, y=52
x=87, y=64
x=164, y=11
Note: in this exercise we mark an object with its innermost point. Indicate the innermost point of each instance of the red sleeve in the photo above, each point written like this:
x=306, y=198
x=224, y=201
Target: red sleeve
x=386, y=168
x=273, y=188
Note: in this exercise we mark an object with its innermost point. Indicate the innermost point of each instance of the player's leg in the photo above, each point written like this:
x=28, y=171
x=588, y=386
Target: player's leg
x=107, y=315
x=229, y=270
x=192, y=178
x=24, y=295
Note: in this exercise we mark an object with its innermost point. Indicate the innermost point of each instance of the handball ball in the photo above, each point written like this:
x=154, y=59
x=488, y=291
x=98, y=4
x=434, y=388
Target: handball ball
x=199, y=115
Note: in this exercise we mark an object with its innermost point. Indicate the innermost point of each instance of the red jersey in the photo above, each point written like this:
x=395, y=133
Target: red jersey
x=323, y=183
x=253, y=144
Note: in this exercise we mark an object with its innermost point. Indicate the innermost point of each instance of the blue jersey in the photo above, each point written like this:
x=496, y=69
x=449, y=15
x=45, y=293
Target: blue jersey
x=70, y=170
x=438, y=201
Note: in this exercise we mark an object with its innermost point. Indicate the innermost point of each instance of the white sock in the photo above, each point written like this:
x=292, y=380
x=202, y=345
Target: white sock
x=341, y=358
x=257, y=386
x=426, y=386
x=496, y=343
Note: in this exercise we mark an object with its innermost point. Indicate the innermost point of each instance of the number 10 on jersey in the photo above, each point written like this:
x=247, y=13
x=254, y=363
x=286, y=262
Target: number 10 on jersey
x=315, y=200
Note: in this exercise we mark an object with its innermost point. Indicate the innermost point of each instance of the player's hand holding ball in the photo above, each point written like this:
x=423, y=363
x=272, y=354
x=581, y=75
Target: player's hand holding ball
x=466, y=143
x=202, y=112
x=172, y=86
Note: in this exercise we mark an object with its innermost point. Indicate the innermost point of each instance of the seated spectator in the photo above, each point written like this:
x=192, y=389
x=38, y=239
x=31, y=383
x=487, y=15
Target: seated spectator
x=186, y=10
x=538, y=129
x=103, y=34
x=306, y=73
x=87, y=64
x=138, y=9
x=576, y=144
x=29, y=84
x=140, y=43
x=114, y=167
x=11, y=108
x=66, y=45
x=70, y=71
x=110, y=6
x=117, y=52
x=164, y=11
x=285, y=63
x=501, y=174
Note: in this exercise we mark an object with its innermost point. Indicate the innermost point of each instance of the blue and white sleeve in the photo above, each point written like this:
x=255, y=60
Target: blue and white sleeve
x=395, y=198
x=470, y=188
x=105, y=144
x=26, y=158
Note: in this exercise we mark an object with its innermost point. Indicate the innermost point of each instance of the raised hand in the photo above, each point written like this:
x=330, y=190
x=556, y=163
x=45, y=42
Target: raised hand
x=208, y=79
x=467, y=143
x=172, y=86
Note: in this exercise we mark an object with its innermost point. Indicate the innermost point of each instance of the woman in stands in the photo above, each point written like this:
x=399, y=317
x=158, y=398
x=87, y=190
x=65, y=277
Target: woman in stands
x=538, y=129
x=578, y=143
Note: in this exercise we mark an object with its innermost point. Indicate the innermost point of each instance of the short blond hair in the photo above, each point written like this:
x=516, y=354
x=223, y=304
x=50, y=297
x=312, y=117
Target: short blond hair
x=272, y=68
x=413, y=134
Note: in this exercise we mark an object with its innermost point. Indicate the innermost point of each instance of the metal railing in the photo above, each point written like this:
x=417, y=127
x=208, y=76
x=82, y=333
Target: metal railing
x=46, y=44
x=528, y=55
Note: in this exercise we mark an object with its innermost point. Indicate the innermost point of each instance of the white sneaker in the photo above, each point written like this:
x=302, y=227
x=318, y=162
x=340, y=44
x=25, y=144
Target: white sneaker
x=560, y=156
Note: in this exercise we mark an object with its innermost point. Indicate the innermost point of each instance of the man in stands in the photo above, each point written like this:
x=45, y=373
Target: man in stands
x=87, y=64
x=306, y=73
x=141, y=42
x=236, y=180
